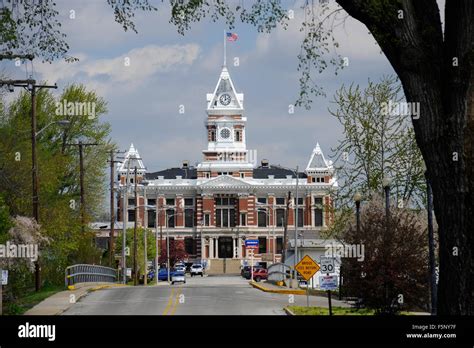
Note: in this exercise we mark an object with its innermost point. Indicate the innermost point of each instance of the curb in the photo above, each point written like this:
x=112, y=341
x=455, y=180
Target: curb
x=106, y=286
x=278, y=291
x=288, y=311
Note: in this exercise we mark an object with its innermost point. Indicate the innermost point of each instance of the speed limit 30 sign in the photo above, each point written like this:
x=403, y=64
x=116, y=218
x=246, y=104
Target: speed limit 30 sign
x=327, y=264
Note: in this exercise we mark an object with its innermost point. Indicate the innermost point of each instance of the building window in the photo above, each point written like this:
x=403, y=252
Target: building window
x=318, y=211
x=262, y=245
x=242, y=175
x=170, y=201
x=131, y=215
x=188, y=202
x=151, y=201
x=300, y=217
x=300, y=201
x=212, y=135
x=151, y=218
x=189, y=245
x=279, y=245
x=225, y=217
x=188, y=218
x=243, y=219
x=262, y=219
x=238, y=135
x=280, y=201
x=170, y=218
x=131, y=201
x=280, y=216
x=207, y=220
x=208, y=175
x=262, y=200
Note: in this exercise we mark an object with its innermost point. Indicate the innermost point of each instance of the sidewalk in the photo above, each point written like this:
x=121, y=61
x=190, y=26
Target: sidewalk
x=61, y=301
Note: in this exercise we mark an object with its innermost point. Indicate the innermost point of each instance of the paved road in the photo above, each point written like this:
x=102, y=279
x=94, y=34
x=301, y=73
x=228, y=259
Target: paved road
x=215, y=295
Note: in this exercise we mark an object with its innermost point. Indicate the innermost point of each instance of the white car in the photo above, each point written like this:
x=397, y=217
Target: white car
x=178, y=277
x=197, y=269
x=180, y=268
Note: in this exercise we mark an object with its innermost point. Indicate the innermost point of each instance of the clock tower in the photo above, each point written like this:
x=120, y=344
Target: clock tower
x=226, y=151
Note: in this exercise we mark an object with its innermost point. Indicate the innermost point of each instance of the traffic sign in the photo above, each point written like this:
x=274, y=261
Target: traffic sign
x=327, y=264
x=328, y=282
x=251, y=243
x=307, y=267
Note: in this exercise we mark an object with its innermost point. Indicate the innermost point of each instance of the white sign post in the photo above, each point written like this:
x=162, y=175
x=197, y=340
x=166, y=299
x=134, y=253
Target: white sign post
x=327, y=265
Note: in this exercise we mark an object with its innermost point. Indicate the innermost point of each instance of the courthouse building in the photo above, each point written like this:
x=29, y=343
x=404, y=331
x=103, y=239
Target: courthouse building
x=210, y=209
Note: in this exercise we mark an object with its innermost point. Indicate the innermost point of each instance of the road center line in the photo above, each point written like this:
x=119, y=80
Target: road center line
x=178, y=293
x=170, y=301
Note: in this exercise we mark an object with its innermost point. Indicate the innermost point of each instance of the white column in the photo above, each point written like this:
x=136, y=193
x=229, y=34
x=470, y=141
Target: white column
x=211, y=248
x=216, y=251
x=234, y=245
x=239, y=247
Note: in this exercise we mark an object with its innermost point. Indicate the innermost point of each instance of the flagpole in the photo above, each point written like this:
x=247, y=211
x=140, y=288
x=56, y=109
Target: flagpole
x=225, y=50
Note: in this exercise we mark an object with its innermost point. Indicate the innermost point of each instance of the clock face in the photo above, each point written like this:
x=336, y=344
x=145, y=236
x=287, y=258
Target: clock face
x=225, y=133
x=225, y=99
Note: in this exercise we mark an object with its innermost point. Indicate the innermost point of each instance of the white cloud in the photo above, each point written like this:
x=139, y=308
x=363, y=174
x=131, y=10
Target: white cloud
x=142, y=62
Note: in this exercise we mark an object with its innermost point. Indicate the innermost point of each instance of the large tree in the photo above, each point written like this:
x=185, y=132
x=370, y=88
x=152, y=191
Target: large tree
x=434, y=65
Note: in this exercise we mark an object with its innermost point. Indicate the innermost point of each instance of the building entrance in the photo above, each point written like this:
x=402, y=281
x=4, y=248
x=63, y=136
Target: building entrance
x=225, y=248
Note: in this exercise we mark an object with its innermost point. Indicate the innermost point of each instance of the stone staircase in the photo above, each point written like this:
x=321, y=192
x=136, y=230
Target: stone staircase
x=224, y=266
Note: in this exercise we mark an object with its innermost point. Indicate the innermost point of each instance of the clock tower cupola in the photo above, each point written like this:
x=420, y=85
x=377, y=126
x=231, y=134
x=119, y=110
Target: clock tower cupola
x=225, y=125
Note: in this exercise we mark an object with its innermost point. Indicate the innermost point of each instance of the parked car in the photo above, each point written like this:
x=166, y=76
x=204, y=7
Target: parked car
x=178, y=277
x=247, y=274
x=197, y=269
x=180, y=268
x=163, y=274
x=260, y=274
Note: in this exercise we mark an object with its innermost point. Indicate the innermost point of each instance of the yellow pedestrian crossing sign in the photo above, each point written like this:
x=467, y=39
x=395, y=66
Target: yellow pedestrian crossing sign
x=307, y=267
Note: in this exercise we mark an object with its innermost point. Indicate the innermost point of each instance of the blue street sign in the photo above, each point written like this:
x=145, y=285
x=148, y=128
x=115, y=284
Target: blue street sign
x=251, y=243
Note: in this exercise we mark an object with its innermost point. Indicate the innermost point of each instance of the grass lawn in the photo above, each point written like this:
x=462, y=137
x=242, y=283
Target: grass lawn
x=299, y=310
x=29, y=300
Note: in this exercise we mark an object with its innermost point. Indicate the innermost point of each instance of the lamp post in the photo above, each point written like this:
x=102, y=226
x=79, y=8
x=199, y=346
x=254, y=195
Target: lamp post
x=357, y=199
x=431, y=248
x=386, y=182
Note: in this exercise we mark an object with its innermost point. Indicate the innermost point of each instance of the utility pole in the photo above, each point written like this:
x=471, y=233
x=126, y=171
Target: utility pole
x=31, y=86
x=135, y=279
x=81, y=145
x=112, y=207
x=285, y=231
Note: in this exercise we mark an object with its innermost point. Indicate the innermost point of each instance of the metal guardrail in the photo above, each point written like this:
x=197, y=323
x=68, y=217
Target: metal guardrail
x=278, y=272
x=84, y=273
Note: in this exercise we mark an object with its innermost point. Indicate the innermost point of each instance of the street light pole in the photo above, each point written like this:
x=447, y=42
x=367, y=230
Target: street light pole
x=124, y=224
x=296, y=226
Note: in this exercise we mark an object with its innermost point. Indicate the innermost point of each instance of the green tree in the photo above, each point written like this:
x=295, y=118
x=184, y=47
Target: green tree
x=376, y=143
x=151, y=248
x=58, y=172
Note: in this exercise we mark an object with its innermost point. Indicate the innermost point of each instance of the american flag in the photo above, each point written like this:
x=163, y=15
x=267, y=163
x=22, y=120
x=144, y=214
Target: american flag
x=231, y=36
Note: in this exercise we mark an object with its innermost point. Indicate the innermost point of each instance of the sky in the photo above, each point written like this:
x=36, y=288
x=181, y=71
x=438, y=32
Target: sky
x=168, y=70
